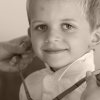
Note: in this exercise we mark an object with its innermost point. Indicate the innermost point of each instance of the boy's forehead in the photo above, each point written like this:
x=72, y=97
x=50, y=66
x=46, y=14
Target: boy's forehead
x=40, y=4
x=36, y=7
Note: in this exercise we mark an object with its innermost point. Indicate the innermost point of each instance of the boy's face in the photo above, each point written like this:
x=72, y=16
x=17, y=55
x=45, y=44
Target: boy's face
x=60, y=32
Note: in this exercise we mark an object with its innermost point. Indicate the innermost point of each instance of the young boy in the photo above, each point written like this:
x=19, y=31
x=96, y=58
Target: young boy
x=61, y=31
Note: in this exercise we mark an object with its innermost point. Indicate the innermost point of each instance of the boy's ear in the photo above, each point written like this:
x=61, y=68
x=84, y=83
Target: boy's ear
x=29, y=32
x=95, y=37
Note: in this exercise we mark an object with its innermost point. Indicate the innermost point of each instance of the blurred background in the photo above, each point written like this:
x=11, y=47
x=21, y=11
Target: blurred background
x=13, y=19
x=13, y=23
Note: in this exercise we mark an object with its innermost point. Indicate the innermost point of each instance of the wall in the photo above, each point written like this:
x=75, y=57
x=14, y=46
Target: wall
x=13, y=19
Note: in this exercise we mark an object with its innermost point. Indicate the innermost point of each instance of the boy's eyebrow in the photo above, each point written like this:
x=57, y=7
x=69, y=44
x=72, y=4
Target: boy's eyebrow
x=68, y=19
x=41, y=21
x=35, y=21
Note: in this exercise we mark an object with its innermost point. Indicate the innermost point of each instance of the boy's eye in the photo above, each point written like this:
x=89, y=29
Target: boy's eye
x=66, y=26
x=41, y=27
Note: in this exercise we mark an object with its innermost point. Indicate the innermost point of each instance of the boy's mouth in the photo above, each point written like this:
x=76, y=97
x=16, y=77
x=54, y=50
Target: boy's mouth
x=54, y=51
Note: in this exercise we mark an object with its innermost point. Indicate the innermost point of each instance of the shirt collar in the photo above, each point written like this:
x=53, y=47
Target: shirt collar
x=76, y=70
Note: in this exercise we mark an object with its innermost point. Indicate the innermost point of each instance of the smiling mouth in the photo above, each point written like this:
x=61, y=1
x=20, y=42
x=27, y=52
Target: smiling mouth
x=55, y=51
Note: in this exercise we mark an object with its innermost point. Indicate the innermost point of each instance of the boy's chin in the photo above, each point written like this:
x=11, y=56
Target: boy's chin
x=57, y=66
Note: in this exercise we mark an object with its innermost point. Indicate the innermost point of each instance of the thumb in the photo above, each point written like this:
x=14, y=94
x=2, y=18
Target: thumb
x=91, y=80
x=12, y=48
x=15, y=48
x=18, y=45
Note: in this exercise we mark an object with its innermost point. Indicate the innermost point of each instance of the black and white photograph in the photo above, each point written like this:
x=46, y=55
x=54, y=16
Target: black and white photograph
x=49, y=49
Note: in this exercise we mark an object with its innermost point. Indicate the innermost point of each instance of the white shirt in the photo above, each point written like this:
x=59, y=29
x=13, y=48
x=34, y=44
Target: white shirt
x=45, y=84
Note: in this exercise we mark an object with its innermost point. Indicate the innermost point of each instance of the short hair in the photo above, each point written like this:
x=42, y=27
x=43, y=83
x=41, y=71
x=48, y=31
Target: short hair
x=92, y=12
x=90, y=7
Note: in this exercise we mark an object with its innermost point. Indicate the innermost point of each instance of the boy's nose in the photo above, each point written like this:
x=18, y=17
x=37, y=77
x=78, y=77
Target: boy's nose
x=54, y=36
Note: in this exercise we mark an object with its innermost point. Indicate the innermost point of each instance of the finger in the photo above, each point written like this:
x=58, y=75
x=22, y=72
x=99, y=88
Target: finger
x=20, y=40
x=15, y=60
x=13, y=64
x=6, y=50
x=26, y=45
x=13, y=48
x=91, y=80
x=6, y=67
x=23, y=42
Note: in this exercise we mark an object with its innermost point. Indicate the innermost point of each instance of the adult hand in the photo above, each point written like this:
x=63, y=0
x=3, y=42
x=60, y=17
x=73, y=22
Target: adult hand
x=14, y=53
x=92, y=91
